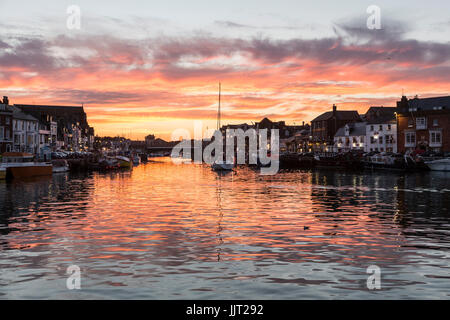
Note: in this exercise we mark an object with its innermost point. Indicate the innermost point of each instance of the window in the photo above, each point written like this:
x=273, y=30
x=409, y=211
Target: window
x=371, y=128
x=389, y=127
x=421, y=123
x=7, y=135
x=372, y=140
x=381, y=139
x=410, y=139
x=435, y=138
x=435, y=122
x=381, y=127
x=7, y=120
x=2, y=131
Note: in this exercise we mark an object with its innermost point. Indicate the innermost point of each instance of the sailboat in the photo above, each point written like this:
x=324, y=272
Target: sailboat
x=219, y=165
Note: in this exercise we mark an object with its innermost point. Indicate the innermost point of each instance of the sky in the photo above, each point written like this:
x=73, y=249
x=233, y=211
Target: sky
x=142, y=67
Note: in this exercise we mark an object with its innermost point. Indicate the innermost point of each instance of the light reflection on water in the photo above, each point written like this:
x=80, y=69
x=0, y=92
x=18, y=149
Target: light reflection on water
x=165, y=231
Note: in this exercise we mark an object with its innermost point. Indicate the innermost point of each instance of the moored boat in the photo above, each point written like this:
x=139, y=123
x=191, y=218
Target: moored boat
x=124, y=162
x=348, y=161
x=136, y=160
x=439, y=164
x=218, y=166
x=60, y=165
x=22, y=165
x=387, y=161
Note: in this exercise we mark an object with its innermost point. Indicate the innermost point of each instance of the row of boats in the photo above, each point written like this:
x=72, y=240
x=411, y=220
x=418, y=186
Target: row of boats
x=22, y=165
x=373, y=161
x=354, y=161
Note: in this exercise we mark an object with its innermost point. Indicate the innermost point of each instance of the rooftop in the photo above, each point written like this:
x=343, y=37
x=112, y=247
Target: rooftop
x=340, y=115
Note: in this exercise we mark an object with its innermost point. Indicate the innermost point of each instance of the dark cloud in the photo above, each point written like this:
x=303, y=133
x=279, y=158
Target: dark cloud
x=353, y=45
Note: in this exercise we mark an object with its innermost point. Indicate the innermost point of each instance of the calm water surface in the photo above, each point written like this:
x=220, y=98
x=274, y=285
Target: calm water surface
x=165, y=231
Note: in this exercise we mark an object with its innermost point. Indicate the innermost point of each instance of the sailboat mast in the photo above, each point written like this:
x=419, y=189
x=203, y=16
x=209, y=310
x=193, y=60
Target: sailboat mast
x=218, y=114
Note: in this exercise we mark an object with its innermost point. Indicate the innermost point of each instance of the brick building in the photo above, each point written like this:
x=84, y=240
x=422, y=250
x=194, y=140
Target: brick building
x=423, y=124
x=325, y=126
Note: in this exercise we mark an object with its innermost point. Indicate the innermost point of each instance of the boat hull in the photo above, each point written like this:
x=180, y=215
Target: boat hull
x=222, y=166
x=30, y=171
x=439, y=165
x=60, y=169
x=125, y=164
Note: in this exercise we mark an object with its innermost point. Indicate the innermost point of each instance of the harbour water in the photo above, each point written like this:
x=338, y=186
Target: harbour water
x=166, y=231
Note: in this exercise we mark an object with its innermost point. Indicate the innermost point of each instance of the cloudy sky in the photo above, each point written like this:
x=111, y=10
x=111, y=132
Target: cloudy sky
x=144, y=67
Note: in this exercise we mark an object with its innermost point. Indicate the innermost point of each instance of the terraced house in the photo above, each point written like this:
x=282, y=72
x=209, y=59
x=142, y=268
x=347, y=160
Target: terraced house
x=423, y=124
x=26, y=132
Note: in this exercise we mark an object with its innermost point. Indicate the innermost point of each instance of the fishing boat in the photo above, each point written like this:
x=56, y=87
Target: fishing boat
x=219, y=165
x=348, y=161
x=387, y=161
x=2, y=173
x=22, y=165
x=60, y=165
x=439, y=164
x=124, y=162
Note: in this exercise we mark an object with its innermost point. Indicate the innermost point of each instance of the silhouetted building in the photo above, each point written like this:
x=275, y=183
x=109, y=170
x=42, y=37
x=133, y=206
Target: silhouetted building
x=6, y=129
x=325, y=126
x=73, y=130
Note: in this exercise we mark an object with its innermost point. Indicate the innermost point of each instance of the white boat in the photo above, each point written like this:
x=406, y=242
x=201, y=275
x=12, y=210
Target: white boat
x=60, y=165
x=439, y=165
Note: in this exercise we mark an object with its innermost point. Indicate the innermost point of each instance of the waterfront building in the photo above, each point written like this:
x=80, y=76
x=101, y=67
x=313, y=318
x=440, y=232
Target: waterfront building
x=6, y=123
x=325, y=126
x=423, y=124
x=26, y=132
x=73, y=130
x=381, y=130
x=350, y=137
x=300, y=141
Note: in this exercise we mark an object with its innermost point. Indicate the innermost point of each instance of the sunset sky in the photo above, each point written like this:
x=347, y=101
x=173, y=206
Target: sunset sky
x=143, y=67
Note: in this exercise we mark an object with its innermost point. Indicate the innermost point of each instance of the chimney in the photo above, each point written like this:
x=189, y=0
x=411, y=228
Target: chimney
x=5, y=100
x=334, y=109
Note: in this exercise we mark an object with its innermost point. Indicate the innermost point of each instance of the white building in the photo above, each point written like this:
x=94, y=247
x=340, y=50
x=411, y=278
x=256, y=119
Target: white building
x=352, y=136
x=26, y=132
x=381, y=135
